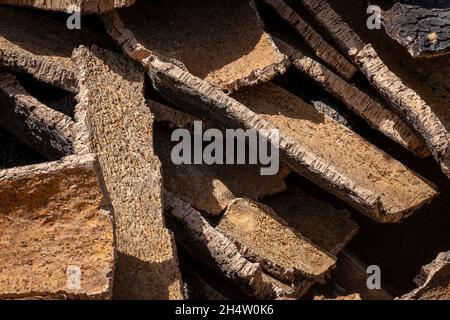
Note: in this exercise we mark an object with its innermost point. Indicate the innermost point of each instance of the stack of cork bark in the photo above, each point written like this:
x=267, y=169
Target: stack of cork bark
x=92, y=205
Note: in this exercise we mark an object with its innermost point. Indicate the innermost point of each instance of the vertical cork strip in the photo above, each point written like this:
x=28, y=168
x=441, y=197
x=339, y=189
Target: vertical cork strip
x=120, y=125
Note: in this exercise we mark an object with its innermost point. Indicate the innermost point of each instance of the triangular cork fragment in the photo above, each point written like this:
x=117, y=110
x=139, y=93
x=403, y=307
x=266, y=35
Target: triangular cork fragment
x=430, y=122
x=57, y=233
x=120, y=127
x=377, y=116
x=434, y=280
x=42, y=128
x=199, y=97
x=264, y=237
x=421, y=26
x=397, y=190
x=327, y=227
x=82, y=6
x=229, y=52
x=215, y=185
x=211, y=247
x=320, y=46
x=42, y=47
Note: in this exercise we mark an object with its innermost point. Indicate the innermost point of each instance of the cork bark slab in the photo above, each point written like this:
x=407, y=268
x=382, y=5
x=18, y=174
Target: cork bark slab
x=211, y=247
x=219, y=41
x=40, y=46
x=215, y=185
x=43, y=129
x=84, y=6
x=53, y=220
x=201, y=98
x=423, y=27
x=120, y=124
x=425, y=108
x=398, y=189
x=377, y=116
x=433, y=281
x=320, y=46
x=264, y=237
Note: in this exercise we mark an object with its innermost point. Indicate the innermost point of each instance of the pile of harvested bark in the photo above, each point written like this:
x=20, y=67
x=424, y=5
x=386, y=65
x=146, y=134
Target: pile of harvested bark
x=92, y=205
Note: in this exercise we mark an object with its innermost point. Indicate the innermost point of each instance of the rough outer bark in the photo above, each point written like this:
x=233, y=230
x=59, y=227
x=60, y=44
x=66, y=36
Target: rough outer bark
x=84, y=6
x=404, y=100
x=321, y=48
x=423, y=27
x=222, y=42
x=43, y=129
x=377, y=116
x=433, y=281
x=261, y=236
x=208, y=245
x=54, y=216
x=329, y=228
x=199, y=97
x=216, y=186
x=42, y=47
x=120, y=125
x=349, y=277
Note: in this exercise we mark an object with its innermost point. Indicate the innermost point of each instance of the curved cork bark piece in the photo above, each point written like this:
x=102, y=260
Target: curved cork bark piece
x=433, y=281
x=43, y=129
x=377, y=116
x=216, y=186
x=205, y=243
x=320, y=47
x=48, y=212
x=405, y=101
x=83, y=6
x=423, y=27
x=42, y=47
x=219, y=41
x=398, y=190
x=263, y=237
x=199, y=97
x=120, y=125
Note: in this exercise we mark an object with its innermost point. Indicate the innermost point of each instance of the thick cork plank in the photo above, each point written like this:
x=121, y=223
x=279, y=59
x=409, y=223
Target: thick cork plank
x=379, y=117
x=423, y=27
x=398, y=190
x=329, y=228
x=43, y=129
x=263, y=237
x=54, y=220
x=199, y=97
x=425, y=108
x=83, y=6
x=214, y=249
x=433, y=281
x=120, y=125
x=219, y=41
x=216, y=186
x=320, y=46
x=42, y=47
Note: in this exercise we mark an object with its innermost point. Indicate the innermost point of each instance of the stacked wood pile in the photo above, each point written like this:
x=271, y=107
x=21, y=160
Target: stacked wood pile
x=93, y=207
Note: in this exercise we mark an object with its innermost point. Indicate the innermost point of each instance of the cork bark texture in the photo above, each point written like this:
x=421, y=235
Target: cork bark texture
x=325, y=51
x=120, y=125
x=379, y=117
x=229, y=53
x=397, y=189
x=263, y=237
x=421, y=26
x=425, y=108
x=54, y=221
x=42, y=47
x=433, y=281
x=83, y=6
x=43, y=129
